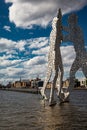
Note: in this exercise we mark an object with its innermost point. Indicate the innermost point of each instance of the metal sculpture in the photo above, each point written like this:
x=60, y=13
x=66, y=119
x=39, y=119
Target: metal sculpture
x=75, y=35
x=54, y=59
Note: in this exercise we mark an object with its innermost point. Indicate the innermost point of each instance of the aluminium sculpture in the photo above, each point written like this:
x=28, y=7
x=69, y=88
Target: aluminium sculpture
x=55, y=60
x=75, y=35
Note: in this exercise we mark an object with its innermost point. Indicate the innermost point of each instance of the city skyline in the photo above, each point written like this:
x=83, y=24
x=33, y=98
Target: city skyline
x=25, y=28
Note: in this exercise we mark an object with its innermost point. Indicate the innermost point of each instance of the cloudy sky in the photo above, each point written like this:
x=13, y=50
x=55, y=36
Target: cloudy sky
x=25, y=26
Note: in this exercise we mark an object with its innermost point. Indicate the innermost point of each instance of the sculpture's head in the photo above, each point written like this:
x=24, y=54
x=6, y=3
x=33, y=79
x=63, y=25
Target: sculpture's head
x=59, y=13
x=72, y=19
x=54, y=22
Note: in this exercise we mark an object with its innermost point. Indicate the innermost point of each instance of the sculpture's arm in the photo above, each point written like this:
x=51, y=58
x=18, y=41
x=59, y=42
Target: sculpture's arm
x=80, y=32
x=66, y=38
x=64, y=28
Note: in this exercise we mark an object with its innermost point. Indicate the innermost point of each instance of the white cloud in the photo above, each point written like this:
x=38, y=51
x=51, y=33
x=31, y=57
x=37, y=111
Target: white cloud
x=68, y=56
x=8, y=51
x=5, y=62
x=25, y=13
x=6, y=45
x=42, y=51
x=9, y=46
x=38, y=60
x=38, y=42
x=20, y=45
x=7, y=28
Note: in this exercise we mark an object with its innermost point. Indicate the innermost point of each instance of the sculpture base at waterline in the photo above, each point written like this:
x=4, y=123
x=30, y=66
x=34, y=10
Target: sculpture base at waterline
x=64, y=97
x=52, y=103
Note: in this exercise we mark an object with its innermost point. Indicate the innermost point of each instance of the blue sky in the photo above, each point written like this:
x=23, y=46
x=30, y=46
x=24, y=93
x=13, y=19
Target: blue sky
x=25, y=26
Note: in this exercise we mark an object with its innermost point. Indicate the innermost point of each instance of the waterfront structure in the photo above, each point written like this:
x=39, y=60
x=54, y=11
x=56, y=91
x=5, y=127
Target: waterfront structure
x=34, y=82
x=66, y=83
x=25, y=83
x=83, y=83
x=77, y=83
x=19, y=84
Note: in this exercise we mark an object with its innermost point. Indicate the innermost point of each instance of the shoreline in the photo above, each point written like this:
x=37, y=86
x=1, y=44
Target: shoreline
x=25, y=90
x=31, y=90
x=80, y=88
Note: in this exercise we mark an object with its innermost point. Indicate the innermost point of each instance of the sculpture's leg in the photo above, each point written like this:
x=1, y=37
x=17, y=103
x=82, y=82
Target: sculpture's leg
x=61, y=94
x=49, y=72
x=73, y=70
x=60, y=78
x=51, y=100
x=58, y=84
x=84, y=68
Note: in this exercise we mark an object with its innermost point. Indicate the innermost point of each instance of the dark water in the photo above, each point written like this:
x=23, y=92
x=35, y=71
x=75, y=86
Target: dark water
x=23, y=111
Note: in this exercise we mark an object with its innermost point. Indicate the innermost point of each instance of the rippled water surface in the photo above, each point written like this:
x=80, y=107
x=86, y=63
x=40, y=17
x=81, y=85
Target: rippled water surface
x=23, y=111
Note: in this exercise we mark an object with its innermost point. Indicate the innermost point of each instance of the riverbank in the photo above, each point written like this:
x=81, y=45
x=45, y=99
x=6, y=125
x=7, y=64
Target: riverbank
x=26, y=90
x=31, y=90
x=79, y=88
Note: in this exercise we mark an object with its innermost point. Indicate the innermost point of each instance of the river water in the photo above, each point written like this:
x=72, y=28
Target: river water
x=24, y=111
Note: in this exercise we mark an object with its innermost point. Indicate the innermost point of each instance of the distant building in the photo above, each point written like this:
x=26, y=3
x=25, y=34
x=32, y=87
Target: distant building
x=19, y=84
x=86, y=82
x=40, y=83
x=66, y=83
x=83, y=83
x=34, y=82
x=77, y=83
x=28, y=83
x=9, y=85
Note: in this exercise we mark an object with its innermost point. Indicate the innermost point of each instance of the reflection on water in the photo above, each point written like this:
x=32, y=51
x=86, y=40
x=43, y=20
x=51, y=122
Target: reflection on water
x=23, y=111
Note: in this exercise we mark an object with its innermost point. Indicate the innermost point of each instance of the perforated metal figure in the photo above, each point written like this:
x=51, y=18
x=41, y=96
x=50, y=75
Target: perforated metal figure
x=75, y=35
x=54, y=59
